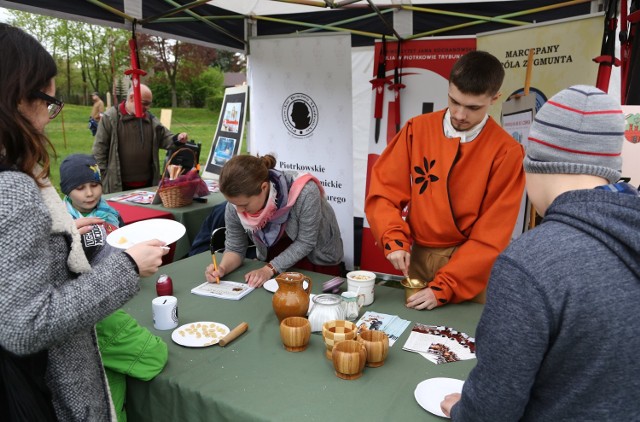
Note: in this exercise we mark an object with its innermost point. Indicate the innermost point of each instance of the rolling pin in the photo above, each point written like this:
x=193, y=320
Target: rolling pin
x=233, y=334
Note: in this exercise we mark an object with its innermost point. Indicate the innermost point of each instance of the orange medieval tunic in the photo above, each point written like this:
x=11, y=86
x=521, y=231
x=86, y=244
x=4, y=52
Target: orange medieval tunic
x=465, y=195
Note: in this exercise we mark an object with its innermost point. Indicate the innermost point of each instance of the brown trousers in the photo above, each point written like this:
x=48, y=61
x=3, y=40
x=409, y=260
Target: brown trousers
x=425, y=262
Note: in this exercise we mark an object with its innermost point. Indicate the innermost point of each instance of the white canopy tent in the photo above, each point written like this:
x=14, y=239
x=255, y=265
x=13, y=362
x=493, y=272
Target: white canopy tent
x=229, y=24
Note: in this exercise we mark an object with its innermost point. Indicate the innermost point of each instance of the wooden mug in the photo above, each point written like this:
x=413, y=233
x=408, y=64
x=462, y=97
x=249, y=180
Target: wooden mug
x=349, y=358
x=336, y=331
x=377, y=345
x=295, y=333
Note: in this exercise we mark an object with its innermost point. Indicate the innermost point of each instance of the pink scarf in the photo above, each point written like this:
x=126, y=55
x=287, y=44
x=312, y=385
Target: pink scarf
x=267, y=225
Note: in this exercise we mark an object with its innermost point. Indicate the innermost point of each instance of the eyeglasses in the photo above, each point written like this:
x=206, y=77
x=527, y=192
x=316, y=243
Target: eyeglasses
x=54, y=104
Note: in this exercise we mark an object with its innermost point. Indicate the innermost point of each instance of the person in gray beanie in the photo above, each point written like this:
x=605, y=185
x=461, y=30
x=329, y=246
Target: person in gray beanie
x=558, y=337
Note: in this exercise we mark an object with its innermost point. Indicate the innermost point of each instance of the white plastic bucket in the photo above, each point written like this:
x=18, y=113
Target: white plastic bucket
x=362, y=282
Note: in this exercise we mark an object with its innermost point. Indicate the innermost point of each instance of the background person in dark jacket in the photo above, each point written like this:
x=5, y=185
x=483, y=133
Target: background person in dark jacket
x=558, y=339
x=126, y=147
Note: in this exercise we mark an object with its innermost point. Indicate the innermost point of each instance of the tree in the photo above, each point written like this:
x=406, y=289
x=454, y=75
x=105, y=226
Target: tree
x=89, y=57
x=94, y=58
x=229, y=61
x=171, y=55
x=207, y=88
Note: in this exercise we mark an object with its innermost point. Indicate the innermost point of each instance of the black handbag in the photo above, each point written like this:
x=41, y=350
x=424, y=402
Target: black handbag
x=24, y=395
x=185, y=158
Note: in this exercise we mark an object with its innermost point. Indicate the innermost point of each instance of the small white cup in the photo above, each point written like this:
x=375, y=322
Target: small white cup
x=362, y=282
x=165, y=312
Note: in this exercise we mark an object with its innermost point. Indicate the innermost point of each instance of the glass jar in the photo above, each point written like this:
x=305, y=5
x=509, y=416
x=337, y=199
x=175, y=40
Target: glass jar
x=326, y=307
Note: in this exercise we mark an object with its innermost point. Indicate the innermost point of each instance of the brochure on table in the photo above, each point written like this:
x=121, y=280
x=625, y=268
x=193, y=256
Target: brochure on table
x=392, y=325
x=231, y=290
x=440, y=344
x=227, y=140
x=137, y=197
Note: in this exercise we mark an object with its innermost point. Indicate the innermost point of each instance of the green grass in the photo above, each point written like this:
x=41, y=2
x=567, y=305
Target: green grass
x=76, y=138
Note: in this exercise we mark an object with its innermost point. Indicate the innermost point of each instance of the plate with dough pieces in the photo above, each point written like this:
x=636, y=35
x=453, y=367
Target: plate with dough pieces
x=199, y=334
x=162, y=229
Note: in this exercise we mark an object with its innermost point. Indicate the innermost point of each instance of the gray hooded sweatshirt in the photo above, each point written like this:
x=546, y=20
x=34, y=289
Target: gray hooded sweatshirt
x=559, y=337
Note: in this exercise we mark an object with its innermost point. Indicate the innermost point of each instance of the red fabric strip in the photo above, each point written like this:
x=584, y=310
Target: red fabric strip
x=602, y=154
x=585, y=113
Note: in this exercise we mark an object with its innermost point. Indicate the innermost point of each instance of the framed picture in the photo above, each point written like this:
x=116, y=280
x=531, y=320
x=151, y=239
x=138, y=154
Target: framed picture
x=227, y=140
x=516, y=118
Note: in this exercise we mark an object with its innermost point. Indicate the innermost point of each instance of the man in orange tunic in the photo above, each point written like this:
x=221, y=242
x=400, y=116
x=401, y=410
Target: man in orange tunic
x=461, y=176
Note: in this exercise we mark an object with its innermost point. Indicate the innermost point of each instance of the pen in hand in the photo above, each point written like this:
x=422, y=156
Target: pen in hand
x=215, y=266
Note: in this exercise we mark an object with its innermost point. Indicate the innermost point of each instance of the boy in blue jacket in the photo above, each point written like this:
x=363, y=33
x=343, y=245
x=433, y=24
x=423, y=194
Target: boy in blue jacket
x=127, y=348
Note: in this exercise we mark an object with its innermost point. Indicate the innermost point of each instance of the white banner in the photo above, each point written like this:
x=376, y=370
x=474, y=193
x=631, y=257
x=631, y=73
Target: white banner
x=300, y=104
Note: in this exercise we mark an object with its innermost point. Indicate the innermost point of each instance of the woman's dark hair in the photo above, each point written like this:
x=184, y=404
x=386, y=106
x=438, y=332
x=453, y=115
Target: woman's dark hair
x=25, y=68
x=244, y=175
x=477, y=73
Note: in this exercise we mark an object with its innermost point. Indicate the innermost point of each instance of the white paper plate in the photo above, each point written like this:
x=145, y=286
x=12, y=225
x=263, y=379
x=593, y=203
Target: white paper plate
x=155, y=228
x=199, y=334
x=271, y=285
x=430, y=393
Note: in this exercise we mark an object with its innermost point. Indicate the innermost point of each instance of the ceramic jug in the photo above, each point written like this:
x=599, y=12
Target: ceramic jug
x=291, y=298
x=326, y=307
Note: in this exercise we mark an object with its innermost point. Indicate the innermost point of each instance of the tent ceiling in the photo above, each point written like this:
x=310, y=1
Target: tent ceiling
x=228, y=24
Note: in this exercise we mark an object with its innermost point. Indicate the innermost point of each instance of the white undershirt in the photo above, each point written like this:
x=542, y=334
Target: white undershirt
x=467, y=135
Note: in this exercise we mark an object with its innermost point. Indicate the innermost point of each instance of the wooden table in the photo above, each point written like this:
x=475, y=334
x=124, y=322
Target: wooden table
x=255, y=379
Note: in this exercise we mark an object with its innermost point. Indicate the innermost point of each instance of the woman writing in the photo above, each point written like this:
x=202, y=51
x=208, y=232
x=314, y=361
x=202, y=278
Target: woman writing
x=285, y=213
x=51, y=296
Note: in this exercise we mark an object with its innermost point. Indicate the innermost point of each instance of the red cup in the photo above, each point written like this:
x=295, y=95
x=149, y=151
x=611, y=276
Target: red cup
x=164, y=286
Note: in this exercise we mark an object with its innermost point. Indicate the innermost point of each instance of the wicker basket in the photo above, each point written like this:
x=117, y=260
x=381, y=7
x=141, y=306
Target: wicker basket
x=179, y=195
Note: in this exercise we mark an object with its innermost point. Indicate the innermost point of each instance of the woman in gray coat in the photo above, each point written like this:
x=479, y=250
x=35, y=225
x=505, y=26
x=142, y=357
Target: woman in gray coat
x=285, y=213
x=50, y=296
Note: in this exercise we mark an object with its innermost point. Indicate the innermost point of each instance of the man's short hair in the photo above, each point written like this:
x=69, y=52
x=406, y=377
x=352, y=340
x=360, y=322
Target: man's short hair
x=477, y=73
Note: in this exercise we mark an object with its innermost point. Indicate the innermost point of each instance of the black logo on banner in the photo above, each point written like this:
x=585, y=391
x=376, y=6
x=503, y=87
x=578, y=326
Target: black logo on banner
x=300, y=115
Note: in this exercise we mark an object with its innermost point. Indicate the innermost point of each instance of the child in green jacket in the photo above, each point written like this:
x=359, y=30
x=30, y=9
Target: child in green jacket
x=127, y=348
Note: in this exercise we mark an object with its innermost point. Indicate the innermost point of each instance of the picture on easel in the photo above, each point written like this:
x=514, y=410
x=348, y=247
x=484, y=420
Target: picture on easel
x=517, y=116
x=227, y=141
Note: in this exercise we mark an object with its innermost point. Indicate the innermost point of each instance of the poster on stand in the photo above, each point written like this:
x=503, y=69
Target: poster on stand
x=517, y=116
x=563, y=53
x=227, y=140
x=631, y=145
x=301, y=112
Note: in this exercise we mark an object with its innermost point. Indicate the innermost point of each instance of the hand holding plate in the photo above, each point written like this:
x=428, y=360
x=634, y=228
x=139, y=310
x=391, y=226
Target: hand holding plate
x=148, y=256
x=448, y=402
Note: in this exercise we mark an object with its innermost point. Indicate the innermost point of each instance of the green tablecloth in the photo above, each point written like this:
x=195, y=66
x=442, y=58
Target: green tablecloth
x=191, y=216
x=255, y=379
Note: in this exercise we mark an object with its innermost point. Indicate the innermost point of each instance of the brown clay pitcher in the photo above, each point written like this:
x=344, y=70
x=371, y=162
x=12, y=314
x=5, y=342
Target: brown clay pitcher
x=291, y=298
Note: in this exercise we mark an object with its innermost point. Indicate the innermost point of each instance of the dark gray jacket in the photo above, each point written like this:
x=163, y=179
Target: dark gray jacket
x=560, y=334
x=105, y=149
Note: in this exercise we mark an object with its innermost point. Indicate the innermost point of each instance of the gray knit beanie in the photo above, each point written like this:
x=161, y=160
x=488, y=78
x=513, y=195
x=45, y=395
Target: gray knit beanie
x=580, y=130
x=76, y=170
